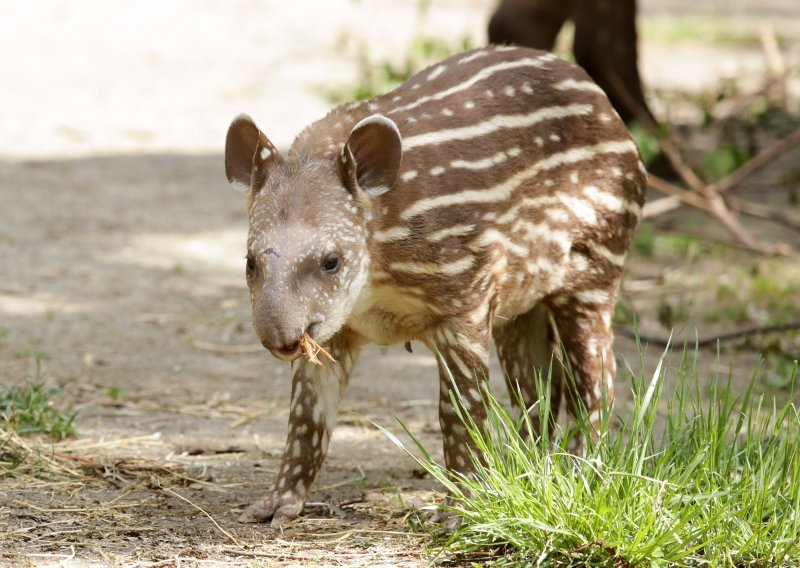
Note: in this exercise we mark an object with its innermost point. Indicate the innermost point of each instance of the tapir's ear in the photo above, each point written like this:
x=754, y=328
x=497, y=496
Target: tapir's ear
x=371, y=156
x=248, y=155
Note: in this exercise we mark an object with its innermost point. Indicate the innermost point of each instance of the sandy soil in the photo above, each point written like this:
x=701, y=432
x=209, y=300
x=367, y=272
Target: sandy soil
x=121, y=273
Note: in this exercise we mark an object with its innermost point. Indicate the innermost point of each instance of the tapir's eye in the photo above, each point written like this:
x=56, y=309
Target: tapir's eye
x=331, y=264
x=251, y=266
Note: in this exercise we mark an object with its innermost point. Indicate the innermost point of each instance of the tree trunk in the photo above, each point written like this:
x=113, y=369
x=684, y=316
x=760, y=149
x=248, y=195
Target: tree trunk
x=530, y=23
x=605, y=41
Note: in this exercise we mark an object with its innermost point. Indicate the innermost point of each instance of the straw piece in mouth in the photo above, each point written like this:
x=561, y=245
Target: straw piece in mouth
x=311, y=349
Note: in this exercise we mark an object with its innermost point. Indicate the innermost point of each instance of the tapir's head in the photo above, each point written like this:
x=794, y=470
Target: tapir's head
x=307, y=254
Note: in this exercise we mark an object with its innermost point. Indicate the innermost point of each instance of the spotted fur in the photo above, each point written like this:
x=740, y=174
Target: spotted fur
x=490, y=197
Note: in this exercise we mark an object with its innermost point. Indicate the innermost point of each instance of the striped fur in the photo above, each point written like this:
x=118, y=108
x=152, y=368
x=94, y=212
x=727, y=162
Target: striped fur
x=492, y=196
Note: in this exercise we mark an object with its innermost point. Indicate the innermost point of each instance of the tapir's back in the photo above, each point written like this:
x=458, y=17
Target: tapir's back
x=517, y=177
x=512, y=159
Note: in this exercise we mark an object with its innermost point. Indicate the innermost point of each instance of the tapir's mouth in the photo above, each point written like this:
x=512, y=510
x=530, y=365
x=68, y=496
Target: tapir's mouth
x=293, y=351
x=287, y=352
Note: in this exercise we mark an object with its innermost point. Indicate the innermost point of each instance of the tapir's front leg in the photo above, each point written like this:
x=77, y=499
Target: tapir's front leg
x=463, y=355
x=316, y=392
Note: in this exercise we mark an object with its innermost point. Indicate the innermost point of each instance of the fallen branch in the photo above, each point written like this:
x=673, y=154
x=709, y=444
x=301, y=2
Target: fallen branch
x=232, y=538
x=764, y=157
x=710, y=341
x=709, y=198
x=713, y=204
x=763, y=212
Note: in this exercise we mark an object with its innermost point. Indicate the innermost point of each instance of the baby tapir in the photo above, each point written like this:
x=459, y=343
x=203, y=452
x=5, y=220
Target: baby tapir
x=491, y=196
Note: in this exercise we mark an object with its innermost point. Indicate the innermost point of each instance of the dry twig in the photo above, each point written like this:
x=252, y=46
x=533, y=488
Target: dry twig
x=710, y=198
x=710, y=341
x=232, y=538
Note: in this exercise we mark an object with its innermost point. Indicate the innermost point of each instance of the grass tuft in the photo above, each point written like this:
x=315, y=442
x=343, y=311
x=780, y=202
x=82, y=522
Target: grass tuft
x=29, y=409
x=25, y=410
x=684, y=479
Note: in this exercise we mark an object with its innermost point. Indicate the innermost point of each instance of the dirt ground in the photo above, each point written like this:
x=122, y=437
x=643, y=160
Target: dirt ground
x=121, y=280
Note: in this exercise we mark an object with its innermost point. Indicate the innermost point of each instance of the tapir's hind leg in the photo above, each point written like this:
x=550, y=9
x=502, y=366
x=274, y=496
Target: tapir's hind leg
x=583, y=320
x=526, y=346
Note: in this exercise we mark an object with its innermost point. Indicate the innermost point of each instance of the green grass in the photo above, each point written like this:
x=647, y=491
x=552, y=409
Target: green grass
x=29, y=409
x=650, y=243
x=761, y=290
x=687, y=478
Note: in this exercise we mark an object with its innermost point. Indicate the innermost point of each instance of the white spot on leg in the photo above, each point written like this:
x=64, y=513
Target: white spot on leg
x=317, y=413
x=460, y=365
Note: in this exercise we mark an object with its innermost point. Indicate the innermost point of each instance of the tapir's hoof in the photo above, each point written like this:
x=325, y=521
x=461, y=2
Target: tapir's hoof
x=279, y=509
x=446, y=517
